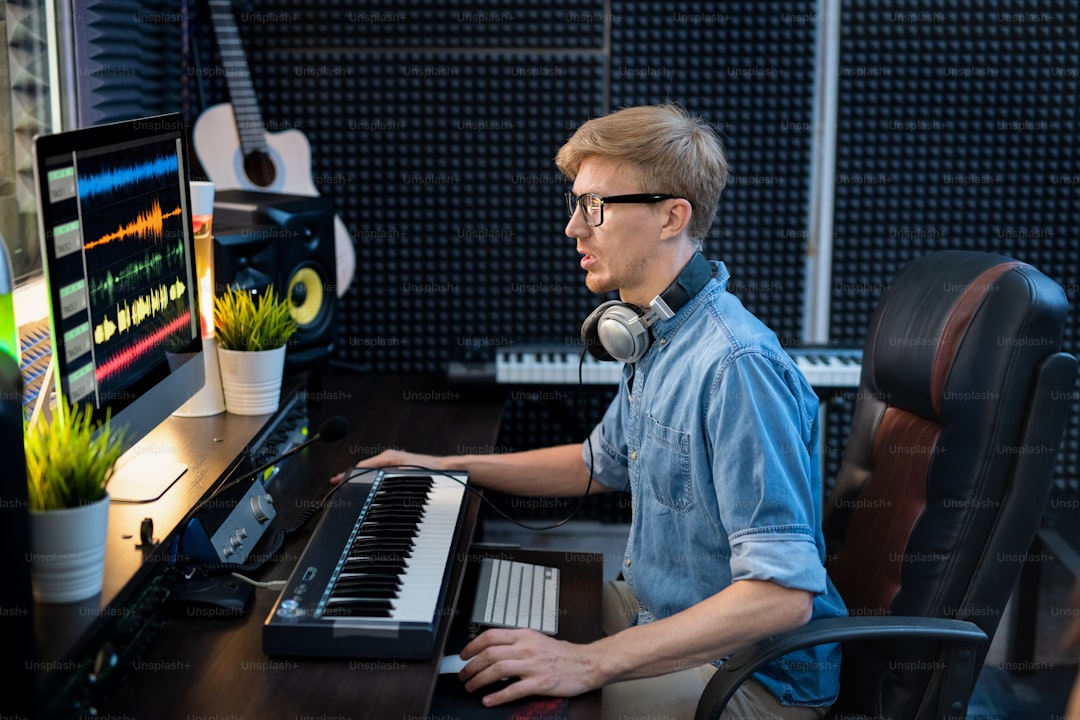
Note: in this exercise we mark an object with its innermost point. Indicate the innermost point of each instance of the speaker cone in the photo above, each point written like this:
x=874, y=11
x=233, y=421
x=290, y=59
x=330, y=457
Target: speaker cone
x=306, y=296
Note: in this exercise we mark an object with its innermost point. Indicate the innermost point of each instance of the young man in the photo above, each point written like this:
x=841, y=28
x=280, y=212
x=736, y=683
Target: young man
x=714, y=433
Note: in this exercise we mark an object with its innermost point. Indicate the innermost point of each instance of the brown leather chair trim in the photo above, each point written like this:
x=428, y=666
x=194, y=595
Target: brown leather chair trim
x=956, y=325
x=891, y=505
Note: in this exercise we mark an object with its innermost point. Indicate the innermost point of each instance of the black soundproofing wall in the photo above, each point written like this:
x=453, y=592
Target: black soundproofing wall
x=957, y=128
x=748, y=68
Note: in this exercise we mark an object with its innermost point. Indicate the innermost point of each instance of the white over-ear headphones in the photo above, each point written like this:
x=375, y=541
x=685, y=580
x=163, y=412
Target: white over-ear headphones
x=620, y=331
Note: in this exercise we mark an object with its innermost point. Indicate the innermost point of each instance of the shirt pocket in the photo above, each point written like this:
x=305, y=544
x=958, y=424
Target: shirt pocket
x=666, y=454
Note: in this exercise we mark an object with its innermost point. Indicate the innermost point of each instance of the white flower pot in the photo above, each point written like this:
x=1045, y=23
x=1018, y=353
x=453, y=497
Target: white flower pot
x=67, y=552
x=251, y=381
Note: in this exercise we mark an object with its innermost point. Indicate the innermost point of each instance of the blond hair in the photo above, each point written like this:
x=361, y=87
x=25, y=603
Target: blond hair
x=667, y=151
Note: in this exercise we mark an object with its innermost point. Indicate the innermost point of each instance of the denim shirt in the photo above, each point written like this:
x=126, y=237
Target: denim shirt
x=715, y=434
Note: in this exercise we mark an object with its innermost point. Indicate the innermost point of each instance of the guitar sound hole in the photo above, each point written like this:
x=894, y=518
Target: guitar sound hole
x=260, y=168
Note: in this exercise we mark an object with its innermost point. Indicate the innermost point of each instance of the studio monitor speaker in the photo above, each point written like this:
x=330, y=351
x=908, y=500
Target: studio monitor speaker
x=263, y=239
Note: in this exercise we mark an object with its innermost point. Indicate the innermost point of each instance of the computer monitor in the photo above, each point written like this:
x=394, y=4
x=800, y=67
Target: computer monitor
x=118, y=253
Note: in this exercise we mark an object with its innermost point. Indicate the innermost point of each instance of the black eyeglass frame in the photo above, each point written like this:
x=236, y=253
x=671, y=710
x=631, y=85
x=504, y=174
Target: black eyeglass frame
x=573, y=202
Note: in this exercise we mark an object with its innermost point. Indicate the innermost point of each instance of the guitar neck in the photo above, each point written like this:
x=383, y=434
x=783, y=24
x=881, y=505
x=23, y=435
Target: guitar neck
x=249, y=121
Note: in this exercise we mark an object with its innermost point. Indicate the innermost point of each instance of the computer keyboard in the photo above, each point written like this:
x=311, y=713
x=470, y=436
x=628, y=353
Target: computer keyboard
x=516, y=594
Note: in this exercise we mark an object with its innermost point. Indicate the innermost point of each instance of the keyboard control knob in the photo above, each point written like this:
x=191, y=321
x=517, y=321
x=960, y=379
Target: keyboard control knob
x=289, y=608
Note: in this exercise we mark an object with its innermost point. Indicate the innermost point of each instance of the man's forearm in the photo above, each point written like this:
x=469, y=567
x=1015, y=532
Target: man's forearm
x=547, y=472
x=744, y=612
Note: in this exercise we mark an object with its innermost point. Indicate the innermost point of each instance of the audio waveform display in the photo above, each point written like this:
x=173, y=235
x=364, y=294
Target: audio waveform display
x=131, y=313
x=148, y=225
x=136, y=262
x=105, y=181
x=131, y=354
x=141, y=272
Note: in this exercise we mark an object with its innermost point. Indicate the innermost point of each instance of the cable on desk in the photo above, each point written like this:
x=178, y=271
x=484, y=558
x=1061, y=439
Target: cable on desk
x=267, y=585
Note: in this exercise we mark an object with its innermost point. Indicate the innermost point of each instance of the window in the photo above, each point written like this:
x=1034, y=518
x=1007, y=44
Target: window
x=28, y=104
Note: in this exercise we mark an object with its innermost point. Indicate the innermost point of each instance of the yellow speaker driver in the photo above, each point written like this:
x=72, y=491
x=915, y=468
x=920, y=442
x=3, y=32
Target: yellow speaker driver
x=305, y=296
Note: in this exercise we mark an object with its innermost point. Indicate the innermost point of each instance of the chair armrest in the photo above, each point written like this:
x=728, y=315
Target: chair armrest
x=963, y=636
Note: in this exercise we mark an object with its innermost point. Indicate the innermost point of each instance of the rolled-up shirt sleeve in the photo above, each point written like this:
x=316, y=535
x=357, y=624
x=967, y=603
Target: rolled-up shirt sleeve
x=786, y=556
x=604, y=451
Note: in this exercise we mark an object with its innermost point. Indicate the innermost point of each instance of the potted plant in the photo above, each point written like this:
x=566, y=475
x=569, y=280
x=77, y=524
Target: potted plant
x=69, y=462
x=252, y=330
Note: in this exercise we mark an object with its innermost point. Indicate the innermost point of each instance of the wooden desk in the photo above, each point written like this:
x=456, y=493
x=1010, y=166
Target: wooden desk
x=207, y=666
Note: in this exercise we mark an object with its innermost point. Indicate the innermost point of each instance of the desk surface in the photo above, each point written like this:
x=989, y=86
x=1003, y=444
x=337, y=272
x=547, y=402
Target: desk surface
x=215, y=667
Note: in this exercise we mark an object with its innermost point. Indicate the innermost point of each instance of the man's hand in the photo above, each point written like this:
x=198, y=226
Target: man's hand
x=540, y=664
x=392, y=457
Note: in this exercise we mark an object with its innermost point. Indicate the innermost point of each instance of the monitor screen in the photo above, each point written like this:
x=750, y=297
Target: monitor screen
x=118, y=252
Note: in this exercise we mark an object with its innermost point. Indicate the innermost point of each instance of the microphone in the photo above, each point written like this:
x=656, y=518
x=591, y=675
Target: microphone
x=334, y=429
x=227, y=531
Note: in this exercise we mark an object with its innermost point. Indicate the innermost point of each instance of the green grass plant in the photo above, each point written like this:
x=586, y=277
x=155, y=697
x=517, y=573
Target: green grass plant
x=246, y=321
x=68, y=462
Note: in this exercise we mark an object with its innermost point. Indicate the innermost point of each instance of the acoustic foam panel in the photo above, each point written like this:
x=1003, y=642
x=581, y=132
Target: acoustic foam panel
x=957, y=129
x=127, y=56
x=748, y=69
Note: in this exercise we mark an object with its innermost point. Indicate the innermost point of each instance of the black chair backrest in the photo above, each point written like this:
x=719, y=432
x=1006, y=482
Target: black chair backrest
x=962, y=404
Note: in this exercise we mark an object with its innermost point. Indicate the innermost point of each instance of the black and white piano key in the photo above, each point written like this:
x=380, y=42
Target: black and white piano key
x=824, y=367
x=399, y=551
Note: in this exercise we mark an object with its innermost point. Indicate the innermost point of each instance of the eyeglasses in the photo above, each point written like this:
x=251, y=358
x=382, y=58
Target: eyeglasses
x=592, y=205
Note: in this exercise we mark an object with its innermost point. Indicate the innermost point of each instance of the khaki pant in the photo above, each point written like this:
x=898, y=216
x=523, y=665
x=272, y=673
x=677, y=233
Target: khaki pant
x=675, y=696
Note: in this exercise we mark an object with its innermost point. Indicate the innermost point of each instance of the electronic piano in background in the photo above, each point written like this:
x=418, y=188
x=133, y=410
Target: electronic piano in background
x=373, y=581
x=826, y=367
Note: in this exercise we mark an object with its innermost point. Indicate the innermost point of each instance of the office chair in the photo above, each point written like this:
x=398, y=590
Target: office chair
x=961, y=407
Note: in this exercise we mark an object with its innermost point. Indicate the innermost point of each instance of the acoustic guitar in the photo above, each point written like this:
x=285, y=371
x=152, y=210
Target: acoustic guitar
x=237, y=152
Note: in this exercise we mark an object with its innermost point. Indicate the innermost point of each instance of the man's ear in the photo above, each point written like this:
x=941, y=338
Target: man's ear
x=679, y=212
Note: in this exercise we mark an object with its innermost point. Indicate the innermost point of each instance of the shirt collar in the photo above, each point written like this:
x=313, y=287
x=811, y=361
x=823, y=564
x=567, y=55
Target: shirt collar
x=666, y=329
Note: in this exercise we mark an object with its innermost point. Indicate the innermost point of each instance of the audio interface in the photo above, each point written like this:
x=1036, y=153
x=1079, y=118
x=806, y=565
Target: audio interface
x=231, y=522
